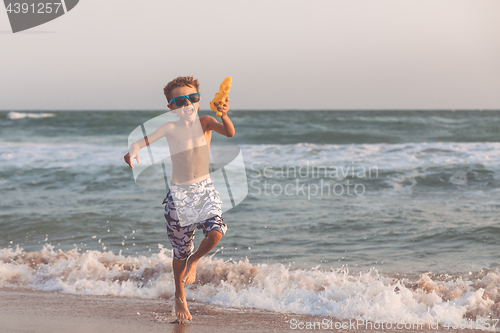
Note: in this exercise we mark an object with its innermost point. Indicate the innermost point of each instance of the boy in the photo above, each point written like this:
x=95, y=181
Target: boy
x=192, y=196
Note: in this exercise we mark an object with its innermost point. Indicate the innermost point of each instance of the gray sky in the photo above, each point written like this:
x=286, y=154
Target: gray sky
x=374, y=54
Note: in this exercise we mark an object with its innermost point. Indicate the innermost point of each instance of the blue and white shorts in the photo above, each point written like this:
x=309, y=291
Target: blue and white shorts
x=187, y=205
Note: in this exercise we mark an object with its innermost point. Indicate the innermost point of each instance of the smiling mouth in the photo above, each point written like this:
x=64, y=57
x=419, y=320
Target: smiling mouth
x=189, y=111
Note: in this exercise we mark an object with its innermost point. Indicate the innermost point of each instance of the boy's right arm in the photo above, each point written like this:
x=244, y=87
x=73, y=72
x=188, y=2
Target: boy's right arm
x=147, y=140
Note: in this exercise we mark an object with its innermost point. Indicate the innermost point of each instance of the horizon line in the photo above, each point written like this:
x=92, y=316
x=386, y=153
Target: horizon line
x=237, y=110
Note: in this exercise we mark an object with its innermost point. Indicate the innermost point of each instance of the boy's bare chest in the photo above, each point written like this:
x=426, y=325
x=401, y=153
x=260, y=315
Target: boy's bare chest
x=181, y=141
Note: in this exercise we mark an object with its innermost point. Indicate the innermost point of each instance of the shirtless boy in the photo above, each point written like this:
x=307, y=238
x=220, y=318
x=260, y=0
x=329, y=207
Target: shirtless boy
x=189, y=144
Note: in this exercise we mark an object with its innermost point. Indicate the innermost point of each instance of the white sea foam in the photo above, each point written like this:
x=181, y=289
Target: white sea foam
x=45, y=155
x=409, y=160
x=275, y=287
x=388, y=157
x=405, y=165
x=456, y=122
x=21, y=115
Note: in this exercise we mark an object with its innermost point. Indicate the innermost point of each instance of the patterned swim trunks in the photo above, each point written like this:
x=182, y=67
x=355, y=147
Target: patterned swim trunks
x=187, y=205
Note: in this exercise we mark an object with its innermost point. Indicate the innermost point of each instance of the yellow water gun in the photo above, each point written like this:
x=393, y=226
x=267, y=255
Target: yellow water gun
x=221, y=95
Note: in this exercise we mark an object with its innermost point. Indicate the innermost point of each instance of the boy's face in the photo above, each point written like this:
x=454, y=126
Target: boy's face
x=189, y=110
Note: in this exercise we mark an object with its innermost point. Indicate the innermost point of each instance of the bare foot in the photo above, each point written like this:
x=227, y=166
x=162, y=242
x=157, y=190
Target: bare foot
x=190, y=274
x=181, y=309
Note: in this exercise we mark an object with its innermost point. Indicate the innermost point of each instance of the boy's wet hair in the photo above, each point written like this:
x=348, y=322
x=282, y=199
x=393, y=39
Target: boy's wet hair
x=180, y=81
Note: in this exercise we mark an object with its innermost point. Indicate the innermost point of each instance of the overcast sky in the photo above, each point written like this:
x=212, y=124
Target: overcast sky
x=374, y=54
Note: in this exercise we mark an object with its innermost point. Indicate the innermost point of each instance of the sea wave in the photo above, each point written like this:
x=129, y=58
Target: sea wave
x=398, y=167
x=21, y=115
x=275, y=287
x=64, y=155
x=389, y=157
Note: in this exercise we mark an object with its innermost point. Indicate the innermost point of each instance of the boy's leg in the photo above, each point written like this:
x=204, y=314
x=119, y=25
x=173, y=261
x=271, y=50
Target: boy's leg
x=206, y=245
x=181, y=238
x=208, y=203
x=181, y=309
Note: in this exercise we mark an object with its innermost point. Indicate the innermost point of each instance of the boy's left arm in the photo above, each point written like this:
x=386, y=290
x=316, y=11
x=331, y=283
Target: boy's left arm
x=227, y=127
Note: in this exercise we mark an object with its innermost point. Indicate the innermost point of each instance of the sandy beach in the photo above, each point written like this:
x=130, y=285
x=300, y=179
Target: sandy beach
x=32, y=311
x=24, y=310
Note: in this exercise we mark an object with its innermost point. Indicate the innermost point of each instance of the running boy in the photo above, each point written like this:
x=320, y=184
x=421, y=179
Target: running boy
x=192, y=196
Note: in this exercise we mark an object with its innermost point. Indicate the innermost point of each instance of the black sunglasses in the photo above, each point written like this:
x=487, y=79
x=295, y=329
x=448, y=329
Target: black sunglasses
x=181, y=100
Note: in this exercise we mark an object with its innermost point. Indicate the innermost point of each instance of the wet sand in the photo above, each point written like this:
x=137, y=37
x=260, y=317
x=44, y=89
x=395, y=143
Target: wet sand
x=32, y=311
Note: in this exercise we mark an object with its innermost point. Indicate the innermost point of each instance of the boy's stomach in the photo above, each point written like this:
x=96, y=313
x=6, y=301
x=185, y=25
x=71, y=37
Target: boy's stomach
x=183, y=181
x=190, y=166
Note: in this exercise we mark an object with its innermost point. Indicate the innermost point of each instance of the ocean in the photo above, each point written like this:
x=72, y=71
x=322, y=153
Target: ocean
x=384, y=215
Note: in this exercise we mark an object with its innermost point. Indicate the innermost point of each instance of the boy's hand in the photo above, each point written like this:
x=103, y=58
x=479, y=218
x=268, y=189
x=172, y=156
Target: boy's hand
x=128, y=159
x=224, y=108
